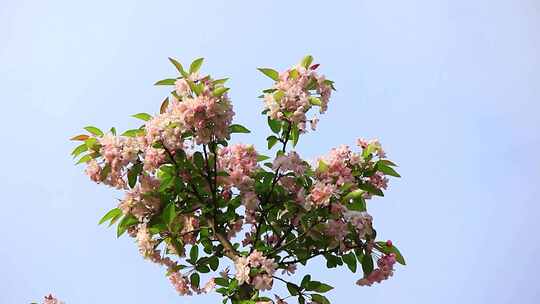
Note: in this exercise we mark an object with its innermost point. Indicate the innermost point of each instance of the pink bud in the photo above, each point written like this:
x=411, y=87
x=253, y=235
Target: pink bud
x=389, y=243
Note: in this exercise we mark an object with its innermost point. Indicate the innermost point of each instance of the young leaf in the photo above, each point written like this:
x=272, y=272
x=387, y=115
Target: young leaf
x=126, y=222
x=79, y=149
x=164, y=105
x=195, y=65
x=273, y=74
x=85, y=159
x=133, y=132
x=238, y=129
x=109, y=215
x=306, y=61
x=143, y=116
x=262, y=158
x=81, y=137
x=219, y=91
x=167, y=81
x=315, y=101
x=178, y=66
x=94, y=130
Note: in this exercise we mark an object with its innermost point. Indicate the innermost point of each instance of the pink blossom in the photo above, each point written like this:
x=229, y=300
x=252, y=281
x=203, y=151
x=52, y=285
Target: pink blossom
x=50, y=299
x=378, y=180
x=262, y=282
x=384, y=271
x=242, y=270
x=337, y=229
x=144, y=241
x=240, y=162
x=290, y=162
x=180, y=283
x=93, y=170
x=361, y=221
x=321, y=193
x=336, y=169
x=256, y=258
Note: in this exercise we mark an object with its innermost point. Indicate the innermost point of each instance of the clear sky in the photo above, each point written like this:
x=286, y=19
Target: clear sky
x=451, y=88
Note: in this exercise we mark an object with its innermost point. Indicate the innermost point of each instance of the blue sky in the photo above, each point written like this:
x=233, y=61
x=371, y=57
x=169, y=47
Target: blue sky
x=451, y=88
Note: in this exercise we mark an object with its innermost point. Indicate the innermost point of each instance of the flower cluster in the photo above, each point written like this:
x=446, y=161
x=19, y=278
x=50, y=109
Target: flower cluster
x=296, y=90
x=264, y=269
x=239, y=161
x=191, y=198
x=385, y=270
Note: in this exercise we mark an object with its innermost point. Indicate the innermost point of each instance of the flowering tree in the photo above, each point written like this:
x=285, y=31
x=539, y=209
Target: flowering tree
x=192, y=200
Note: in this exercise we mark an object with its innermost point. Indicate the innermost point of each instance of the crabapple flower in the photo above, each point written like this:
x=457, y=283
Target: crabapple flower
x=50, y=299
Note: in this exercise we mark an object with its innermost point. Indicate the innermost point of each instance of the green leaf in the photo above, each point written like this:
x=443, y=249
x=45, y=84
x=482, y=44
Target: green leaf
x=179, y=67
x=392, y=249
x=133, y=173
x=371, y=189
x=350, y=260
x=79, y=149
x=275, y=125
x=219, y=91
x=169, y=213
x=306, y=61
x=109, y=215
x=278, y=95
x=367, y=264
x=194, y=253
x=198, y=159
x=94, y=130
x=85, y=159
x=323, y=288
x=195, y=280
x=195, y=65
x=305, y=281
x=295, y=135
x=320, y=299
x=221, y=281
x=213, y=262
x=238, y=129
x=167, y=81
x=133, y=133
x=293, y=289
x=386, y=169
x=220, y=81
x=273, y=74
x=126, y=222
x=315, y=101
x=272, y=140
x=262, y=158
x=143, y=116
